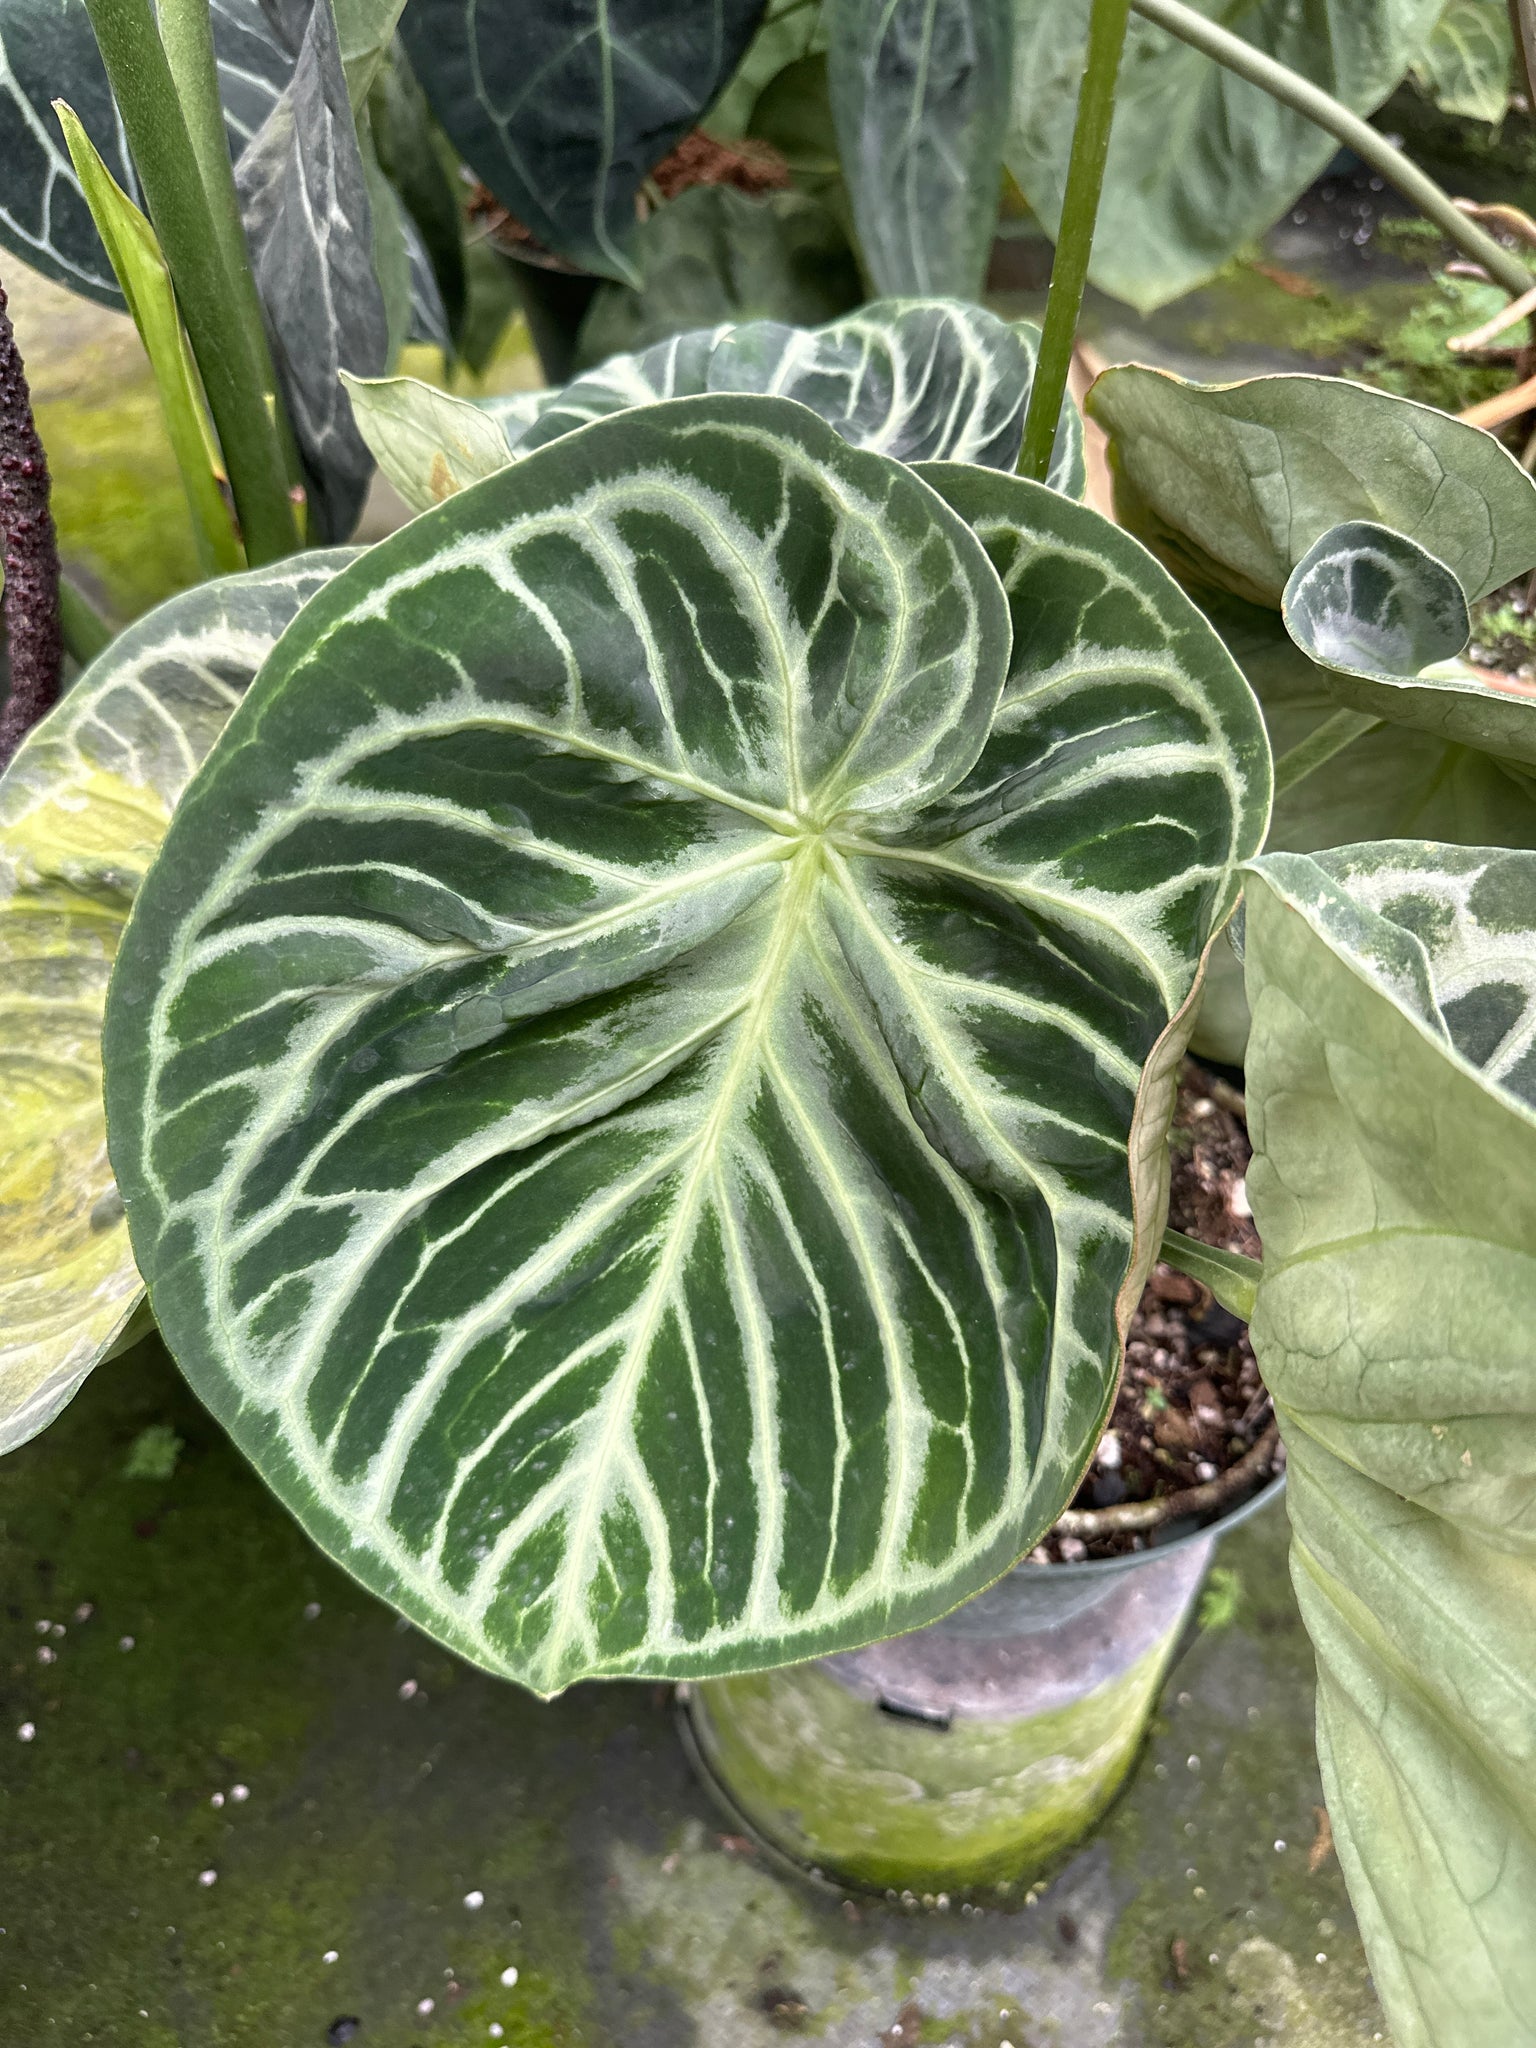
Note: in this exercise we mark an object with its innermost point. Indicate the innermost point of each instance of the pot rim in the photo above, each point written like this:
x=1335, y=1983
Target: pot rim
x=1271, y=1489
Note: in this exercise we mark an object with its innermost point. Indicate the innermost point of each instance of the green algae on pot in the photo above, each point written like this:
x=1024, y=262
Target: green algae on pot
x=965, y=1758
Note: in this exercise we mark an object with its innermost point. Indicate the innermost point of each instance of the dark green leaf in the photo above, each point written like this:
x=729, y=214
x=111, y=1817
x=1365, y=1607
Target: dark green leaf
x=638, y=1075
x=562, y=107
x=304, y=200
x=920, y=95
x=712, y=255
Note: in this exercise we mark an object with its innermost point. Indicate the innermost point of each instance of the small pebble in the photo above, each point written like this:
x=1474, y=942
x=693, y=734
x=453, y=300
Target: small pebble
x=474, y=1901
x=216, y=1799
x=331, y=1955
x=85, y=1610
x=1237, y=1200
x=26, y=1731
x=409, y=1690
x=496, y=2030
x=58, y=1631
x=1109, y=1451
x=1279, y=1848
x=43, y=1627
x=1205, y=1471
x=1321, y=1957
x=207, y=1877
x=425, y=2006
x=1073, y=1549
x=312, y=1611
x=509, y=1975
x=239, y=1793
x=125, y=1642
x=47, y=1656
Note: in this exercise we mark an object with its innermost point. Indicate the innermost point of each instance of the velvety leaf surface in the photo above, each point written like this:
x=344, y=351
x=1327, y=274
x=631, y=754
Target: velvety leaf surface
x=1232, y=483
x=1200, y=162
x=308, y=221
x=921, y=380
x=562, y=107
x=714, y=254
x=1392, y=1097
x=920, y=96
x=624, y=1078
x=48, y=52
x=83, y=808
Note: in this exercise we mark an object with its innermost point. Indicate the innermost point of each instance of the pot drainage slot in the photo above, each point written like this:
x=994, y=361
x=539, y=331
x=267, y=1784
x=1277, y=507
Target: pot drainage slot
x=926, y=1717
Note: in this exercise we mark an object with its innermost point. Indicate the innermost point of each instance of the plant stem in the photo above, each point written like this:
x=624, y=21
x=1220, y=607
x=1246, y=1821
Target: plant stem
x=1232, y=1278
x=1074, y=239
x=186, y=30
x=34, y=642
x=86, y=632
x=1320, y=745
x=222, y=320
x=1310, y=100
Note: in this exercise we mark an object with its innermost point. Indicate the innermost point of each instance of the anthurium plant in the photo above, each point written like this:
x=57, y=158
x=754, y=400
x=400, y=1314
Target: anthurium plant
x=641, y=1013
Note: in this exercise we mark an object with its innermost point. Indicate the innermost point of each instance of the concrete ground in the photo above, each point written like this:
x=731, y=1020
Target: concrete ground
x=240, y=1803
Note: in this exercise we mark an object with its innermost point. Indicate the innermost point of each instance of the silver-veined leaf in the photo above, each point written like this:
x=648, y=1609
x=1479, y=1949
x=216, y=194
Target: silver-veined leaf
x=562, y=107
x=921, y=380
x=1392, y=1097
x=1401, y=781
x=1231, y=484
x=1370, y=602
x=920, y=95
x=83, y=807
x=48, y=52
x=1200, y=161
x=308, y=220
x=626, y=1073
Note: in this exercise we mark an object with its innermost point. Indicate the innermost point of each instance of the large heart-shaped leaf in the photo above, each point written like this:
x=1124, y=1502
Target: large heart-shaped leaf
x=625, y=1077
x=1392, y=1099
x=83, y=808
x=920, y=95
x=48, y=52
x=563, y=106
x=921, y=380
x=1231, y=484
x=1200, y=161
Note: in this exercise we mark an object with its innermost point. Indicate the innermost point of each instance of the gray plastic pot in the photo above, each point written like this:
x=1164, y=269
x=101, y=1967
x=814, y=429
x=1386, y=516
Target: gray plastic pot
x=967, y=1756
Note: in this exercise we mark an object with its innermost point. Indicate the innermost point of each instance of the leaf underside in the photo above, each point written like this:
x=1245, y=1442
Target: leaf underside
x=1392, y=1096
x=83, y=808
x=622, y=1077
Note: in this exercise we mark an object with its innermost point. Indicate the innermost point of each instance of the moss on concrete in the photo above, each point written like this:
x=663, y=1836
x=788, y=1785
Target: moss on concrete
x=387, y=1782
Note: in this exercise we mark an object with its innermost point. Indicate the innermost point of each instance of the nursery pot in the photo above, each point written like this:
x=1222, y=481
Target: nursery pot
x=968, y=1755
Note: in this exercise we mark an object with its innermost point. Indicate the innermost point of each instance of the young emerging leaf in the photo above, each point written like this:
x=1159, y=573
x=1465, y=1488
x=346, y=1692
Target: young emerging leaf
x=930, y=380
x=83, y=808
x=1200, y=161
x=563, y=106
x=920, y=95
x=1392, y=1097
x=637, y=1075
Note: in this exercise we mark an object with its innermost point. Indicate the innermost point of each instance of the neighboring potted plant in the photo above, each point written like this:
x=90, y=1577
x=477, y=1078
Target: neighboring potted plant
x=647, y=1006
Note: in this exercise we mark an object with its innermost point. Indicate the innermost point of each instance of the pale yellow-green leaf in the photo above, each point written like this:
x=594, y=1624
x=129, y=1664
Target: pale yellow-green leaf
x=428, y=443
